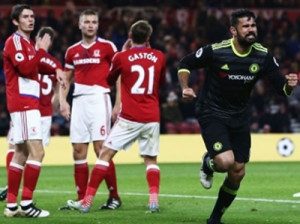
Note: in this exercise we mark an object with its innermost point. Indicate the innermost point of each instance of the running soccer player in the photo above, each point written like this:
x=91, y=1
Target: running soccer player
x=234, y=67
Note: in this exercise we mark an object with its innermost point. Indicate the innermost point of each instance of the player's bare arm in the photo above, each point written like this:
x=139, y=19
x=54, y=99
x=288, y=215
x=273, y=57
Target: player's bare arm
x=55, y=97
x=61, y=77
x=117, y=106
x=63, y=93
x=187, y=92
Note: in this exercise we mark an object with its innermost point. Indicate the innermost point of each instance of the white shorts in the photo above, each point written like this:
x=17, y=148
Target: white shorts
x=124, y=133
x=90, y=118
x=46, y=127
x=26, y=126
x=10, y=135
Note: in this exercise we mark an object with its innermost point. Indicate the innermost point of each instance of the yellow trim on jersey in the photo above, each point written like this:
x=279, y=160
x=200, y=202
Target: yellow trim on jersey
x=184, y=70
x=229, y=42
x=237, y=53
x=284, y=90
x=259, y=47
x=224, y=43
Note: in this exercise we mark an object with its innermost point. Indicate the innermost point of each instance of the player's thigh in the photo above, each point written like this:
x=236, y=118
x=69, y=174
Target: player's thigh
x=26, y=126
x=46, y=127
x=99, y=116
x=123, y=134
x=10, y=135
x=149, y=139
x=79, y=132
x=216, y=137
x=36, y=150
x=241, y=143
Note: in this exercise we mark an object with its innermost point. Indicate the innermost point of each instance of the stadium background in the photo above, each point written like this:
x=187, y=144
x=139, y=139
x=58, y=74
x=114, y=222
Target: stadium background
x=180, y=27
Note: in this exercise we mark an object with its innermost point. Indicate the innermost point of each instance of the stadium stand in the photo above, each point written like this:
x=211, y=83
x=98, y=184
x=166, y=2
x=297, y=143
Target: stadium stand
x=179, y=27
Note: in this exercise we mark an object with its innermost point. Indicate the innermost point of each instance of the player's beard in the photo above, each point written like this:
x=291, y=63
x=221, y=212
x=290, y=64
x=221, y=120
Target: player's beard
x=247, y=41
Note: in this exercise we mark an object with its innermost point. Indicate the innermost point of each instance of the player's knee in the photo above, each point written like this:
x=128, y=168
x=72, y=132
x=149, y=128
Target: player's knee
x=37, y=155
x=107, y=154
x=236, y=175
x=239, y=171
x=223, y=163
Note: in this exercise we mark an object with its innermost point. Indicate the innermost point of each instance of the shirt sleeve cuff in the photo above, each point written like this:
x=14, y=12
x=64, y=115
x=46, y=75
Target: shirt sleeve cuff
x=184, y=70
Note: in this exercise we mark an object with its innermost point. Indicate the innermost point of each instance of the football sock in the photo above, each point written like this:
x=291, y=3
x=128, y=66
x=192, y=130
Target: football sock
x=9, y=155
x=153, y=179
x=99, y=172
x=14, y=180
x=81, y=176
x=208, y=165
x=227, y=194
x=31, y=176
x=111, y=180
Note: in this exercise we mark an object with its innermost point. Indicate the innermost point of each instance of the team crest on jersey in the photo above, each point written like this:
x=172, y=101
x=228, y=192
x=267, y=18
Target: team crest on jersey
x=199, y=53
x=19, y=57
x=96, y=53
x=254, y=68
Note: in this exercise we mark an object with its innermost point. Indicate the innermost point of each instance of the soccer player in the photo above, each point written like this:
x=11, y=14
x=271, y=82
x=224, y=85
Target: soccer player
x=88, y=61
x=49, y=99
x=22, y=62
x=234, y=67
x=142, y=71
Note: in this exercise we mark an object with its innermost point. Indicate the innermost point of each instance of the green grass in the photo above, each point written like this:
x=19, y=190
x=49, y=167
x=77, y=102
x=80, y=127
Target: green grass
x=265, y=196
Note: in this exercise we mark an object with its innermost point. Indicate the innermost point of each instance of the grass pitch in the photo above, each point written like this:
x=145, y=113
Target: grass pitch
x=265, y=196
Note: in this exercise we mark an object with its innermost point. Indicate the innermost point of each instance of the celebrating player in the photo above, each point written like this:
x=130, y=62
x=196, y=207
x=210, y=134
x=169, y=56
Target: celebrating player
x=234, y=66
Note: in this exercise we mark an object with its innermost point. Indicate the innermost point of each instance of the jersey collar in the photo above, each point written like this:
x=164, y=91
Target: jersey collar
x=237, y=53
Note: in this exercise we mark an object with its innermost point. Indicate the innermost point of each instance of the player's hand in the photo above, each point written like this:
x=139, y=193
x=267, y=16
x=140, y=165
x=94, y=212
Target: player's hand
x=291, y=79
x=115, y=113
x=188, y=94
x=65, y=110
x=127, y=45
x=61, y=78
x=44, y=42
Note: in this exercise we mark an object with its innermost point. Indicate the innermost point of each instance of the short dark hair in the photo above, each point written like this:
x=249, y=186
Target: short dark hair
x=17, y=10
x=140, y=31
x=44, y=30
x=88, y=12
x=240, y=13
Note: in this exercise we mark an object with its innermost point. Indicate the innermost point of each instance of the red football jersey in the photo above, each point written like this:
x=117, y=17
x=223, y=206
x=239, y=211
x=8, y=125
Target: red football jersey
x=21, y=67
x=143, y=71
x=91, y=64
x=47, y=83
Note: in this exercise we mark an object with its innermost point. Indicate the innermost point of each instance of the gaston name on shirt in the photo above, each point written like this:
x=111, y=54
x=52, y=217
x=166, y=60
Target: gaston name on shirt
x=143, y=71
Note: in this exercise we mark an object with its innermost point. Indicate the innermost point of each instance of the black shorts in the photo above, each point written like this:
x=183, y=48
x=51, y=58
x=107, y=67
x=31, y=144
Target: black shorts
x=219, y=137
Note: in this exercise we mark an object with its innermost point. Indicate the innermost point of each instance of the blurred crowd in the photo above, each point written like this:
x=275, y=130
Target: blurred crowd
x=179, y=27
